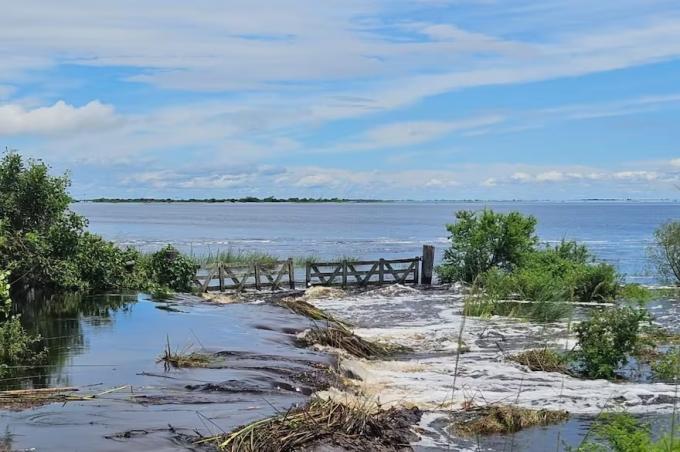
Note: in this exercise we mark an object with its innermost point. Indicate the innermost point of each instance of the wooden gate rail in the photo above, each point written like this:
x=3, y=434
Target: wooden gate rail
x=224, y=276
x=347, y=273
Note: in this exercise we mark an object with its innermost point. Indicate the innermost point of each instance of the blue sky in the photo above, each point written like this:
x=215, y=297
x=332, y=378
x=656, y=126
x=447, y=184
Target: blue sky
x=418, y=99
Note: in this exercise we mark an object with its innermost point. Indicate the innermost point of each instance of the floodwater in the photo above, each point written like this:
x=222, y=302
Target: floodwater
x=102, y=343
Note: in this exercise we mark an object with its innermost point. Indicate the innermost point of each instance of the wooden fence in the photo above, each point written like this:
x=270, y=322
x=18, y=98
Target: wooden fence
x=222, y=276
x=364, y=273
x=281, y=274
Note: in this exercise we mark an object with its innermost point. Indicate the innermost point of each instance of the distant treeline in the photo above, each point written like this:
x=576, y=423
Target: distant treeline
x=247, y=199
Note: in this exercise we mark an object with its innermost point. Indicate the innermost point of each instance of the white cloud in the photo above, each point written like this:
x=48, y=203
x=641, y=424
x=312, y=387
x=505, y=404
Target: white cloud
x=60, y=118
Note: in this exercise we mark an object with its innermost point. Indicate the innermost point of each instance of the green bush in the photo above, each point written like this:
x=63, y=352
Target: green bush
x=606, y=339
x=564, y=272
x=666, y=251
x=667, y=367
x=169, y=268
x=103, y=266
x=484, y=240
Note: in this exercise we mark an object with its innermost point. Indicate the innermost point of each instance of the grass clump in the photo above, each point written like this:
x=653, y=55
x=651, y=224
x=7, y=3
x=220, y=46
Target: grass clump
x=495, y=419
x=182, y=359
x=237, y=257
x=322, y=422
x=542, y=359
x=351, y=343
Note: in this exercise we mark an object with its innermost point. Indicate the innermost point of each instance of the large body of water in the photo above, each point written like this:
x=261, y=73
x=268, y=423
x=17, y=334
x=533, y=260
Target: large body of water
x=618, y=232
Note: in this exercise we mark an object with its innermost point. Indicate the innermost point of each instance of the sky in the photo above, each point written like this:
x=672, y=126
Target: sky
x=417, y=99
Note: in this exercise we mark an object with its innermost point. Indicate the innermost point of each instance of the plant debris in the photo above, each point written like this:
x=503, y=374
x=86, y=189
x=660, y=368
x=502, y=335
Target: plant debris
x=346, y=340
x=179, y=359
x=492, y=419
x=323, y=423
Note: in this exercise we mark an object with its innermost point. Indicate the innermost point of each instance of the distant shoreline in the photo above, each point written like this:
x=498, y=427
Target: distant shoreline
x=294, y=200
x=246, y=200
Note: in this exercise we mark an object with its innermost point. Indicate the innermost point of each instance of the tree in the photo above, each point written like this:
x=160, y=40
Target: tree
x=666, y=251
x=484, y=240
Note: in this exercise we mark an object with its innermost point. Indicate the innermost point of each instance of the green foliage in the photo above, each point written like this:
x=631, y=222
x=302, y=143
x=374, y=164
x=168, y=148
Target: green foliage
x=635, y=292
x=666, y=251
x=564, y=272
x=169, y=268
x=102, y=266
x=606, y=339
x=17, y=348
x=484, y=240
x=38, y=234
x=667, y=367
x=621, y=432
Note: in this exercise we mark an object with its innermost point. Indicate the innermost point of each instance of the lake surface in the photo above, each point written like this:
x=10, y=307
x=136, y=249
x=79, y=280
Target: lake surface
x=618, y=232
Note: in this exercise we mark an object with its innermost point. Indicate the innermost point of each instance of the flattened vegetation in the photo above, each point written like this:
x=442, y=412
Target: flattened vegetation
x=323, y=422
x=351, y=343
x=541, y=359
x=493, y=419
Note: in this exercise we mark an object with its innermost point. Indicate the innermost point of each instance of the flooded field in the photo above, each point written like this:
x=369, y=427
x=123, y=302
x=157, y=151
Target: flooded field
x=100, y=344
x=109, y=346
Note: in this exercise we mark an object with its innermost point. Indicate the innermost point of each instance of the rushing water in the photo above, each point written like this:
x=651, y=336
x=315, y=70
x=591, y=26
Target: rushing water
x=102, y=343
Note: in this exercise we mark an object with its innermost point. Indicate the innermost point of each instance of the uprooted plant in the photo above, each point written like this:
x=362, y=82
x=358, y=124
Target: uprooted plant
x=543, y=359
x=183, y=358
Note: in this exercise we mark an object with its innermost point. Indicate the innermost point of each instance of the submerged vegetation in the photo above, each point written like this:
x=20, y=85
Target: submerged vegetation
x=323, y=423
x=184, y=358
x=493, y=419
x=606, y=340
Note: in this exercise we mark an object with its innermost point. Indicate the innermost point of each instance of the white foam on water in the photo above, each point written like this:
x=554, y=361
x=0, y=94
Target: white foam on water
x=430, y=323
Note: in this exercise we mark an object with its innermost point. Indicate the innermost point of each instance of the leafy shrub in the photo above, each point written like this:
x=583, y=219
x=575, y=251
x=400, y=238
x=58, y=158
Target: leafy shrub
x=666, y=251
x=169, y=268
x=484, y=240
x=564, y=272
x=667, y=367
x=606, y=339
x=103, y=266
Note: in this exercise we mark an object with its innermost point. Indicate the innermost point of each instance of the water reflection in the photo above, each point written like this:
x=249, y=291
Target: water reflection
x=60, y=320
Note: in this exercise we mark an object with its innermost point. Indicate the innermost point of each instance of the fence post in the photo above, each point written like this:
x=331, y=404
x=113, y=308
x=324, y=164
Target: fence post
x=344, y=274
x=257, y=276
x=291, y=274
x=308, y=277
x=416, y=270
x=221, y=276
x=381, y=271
x=427, y=264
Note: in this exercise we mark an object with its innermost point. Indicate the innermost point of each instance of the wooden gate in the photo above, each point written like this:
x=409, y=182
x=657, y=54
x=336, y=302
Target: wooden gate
x=363, y=273
x=224, y=276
